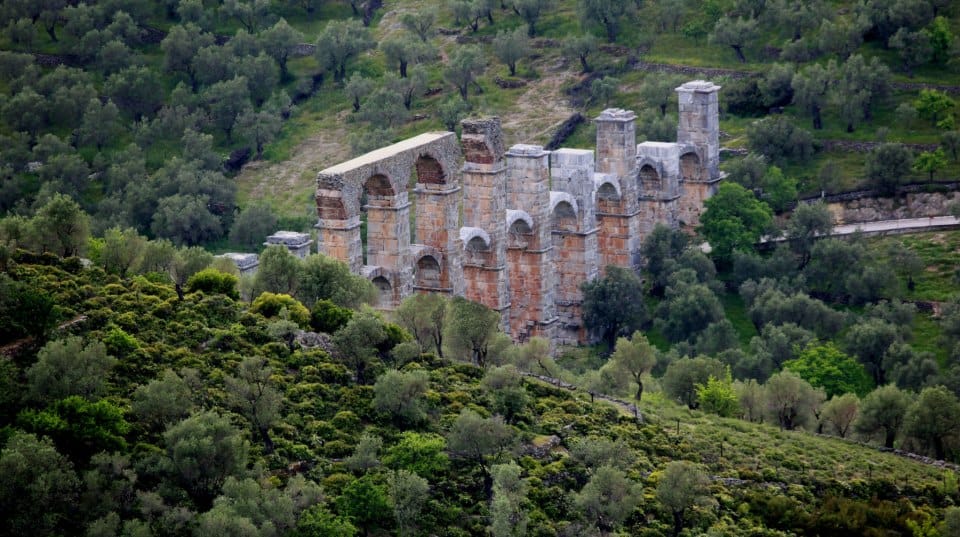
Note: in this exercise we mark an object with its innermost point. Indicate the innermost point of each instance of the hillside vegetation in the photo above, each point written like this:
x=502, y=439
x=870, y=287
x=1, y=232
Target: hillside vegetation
x=147, y=390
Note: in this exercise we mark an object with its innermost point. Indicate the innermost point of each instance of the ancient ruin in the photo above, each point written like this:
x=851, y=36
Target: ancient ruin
x=517, y=229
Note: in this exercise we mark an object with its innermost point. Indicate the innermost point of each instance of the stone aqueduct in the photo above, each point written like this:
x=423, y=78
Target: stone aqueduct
x=517, y=229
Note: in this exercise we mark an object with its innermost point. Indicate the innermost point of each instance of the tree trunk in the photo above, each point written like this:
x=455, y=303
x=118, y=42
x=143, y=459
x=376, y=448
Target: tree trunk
x=639, y=389
x=817, y=119
x=586, y=67
x=513, y=68
x=179, y=289
x=267, y=441
x=739, y=50
x=889, y=437
x=403, y=69
x=677, y=522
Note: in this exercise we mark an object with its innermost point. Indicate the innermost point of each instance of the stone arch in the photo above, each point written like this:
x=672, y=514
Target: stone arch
x=564, y=216
x=429, y=272
x=379, y=190
x=330, y=205
x=475, y=239
x=385, y=290
x=519, y=222
x=650, y=181
x=608, y=189
x=556, y=198
x=429, y=170
x=690, y=167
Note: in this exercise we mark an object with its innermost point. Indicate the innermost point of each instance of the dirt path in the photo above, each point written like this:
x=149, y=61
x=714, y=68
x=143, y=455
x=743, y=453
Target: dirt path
x=538, y=111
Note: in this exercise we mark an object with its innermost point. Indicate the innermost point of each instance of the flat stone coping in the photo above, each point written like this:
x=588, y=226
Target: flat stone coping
x=387, y=152
x=289, y=238
x=242, y=260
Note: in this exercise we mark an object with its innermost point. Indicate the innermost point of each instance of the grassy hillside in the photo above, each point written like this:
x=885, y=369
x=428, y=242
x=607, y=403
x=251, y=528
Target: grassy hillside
x=759, y=479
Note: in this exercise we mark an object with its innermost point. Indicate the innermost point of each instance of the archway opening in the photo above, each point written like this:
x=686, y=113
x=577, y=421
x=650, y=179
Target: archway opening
x=428, y=272
x=649, y=181
x=385, y=298
x=564, y=217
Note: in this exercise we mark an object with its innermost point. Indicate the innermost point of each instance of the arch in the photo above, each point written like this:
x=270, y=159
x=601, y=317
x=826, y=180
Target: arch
x=564, y=216
x=429, y=272
x=690, y=167
x=475, y=239
x=430, y=171
x=649, y=179
x=330, y=206
x=378, y=186
x=608, y=190
x=557, y=198
x=519, y=222
x=383, y=286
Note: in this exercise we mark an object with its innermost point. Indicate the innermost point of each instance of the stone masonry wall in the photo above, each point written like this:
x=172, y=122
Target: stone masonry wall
x=520, y=230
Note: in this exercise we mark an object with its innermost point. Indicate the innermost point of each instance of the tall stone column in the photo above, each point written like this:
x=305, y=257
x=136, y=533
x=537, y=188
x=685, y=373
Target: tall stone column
x=530, y=249
x=619, y=240
x=576, y=259
x=338, y=233
x=388, y=241
x=699, y=129
x=484, y=177
x=438, y=218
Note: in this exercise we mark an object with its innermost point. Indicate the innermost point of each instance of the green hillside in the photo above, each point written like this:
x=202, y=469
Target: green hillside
x=147, y=389
x=300, y=447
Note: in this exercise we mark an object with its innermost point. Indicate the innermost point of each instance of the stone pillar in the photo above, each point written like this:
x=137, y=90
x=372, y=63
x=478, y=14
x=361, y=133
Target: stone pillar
x=388, y=241
x=576, y=258
x=530, y=249
x=484, y=208
x=438, y=217
x=338, y=233
x=699, y=129
x=619, y=240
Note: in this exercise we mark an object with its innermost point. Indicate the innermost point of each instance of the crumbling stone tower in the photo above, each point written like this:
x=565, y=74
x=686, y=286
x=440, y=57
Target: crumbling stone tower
x=530, y=249
x=698, y=133
x=484, y=177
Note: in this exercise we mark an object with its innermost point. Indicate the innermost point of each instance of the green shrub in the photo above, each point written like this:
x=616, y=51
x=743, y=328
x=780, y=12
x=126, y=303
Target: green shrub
x=328, y=317
x=212, y=281
x=271, y=304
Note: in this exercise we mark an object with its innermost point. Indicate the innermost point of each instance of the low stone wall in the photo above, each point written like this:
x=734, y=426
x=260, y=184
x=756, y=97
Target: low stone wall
x=904, y=205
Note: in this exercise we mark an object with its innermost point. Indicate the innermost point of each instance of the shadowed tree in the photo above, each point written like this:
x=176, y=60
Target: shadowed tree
x=202, y=451
x=357, y=342
x=479, y=441
x=634, y=357
x=608, y=498
x=67, y=367
x=340, y=42
x=682, y=486
x=508, y=517
x=607, y=13
x=932, y=418
x=791, y=401
x=882, y=412
x=278, y=41
x=510, y=47
x=613, y=305
x=408, y=493
x=580, y=48
x=400, y=394
x=421, y=22
x=841, y=413
x=530, y=11
x=252, y=393
x=735, y=33
x=39, y=487
x=471, y=329
x=462, y=68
